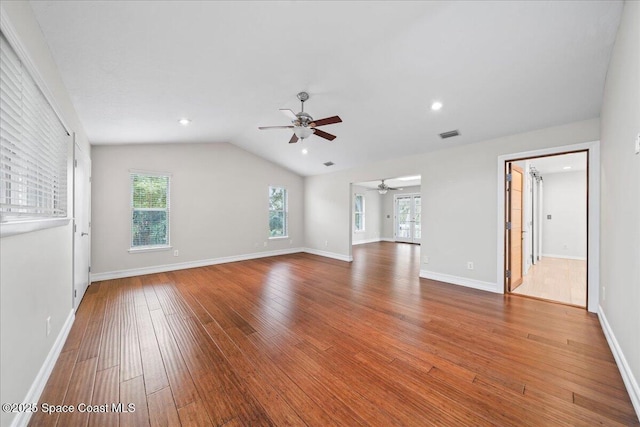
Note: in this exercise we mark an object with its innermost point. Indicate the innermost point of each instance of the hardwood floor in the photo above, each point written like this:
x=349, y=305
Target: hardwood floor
x=557, y=279
x=305, y=340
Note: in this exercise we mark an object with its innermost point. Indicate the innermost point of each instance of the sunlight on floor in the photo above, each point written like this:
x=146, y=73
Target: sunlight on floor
x=562, y=280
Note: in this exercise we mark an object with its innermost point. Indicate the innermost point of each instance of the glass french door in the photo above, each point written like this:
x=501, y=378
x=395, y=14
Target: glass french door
x=408, y=208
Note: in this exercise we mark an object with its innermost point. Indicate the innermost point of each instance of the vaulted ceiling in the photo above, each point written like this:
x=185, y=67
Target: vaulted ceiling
x=133, y=68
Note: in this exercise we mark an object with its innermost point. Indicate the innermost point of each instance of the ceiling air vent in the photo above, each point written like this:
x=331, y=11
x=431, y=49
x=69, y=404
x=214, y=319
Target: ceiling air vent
x=449, y=134
x=328, y=164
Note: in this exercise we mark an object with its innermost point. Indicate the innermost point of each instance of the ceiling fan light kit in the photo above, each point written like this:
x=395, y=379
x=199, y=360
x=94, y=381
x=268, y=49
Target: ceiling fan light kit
x=303, y=124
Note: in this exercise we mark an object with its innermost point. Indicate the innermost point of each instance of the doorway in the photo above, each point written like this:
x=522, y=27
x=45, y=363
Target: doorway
x=408, y=209
x=81, y=225
x=374, y=213
x=546, y=211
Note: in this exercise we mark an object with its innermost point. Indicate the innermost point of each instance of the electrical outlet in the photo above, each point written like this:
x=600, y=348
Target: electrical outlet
x=265, y=244
x=176, y=253
x=638, y=144
x=426, y=260
x=48, y=323
x=604, y=294
x=469, y=265
x=326, y=243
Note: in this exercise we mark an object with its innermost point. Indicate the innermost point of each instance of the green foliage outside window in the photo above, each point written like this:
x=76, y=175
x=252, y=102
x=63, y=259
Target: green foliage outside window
x=150, y=210
x=277, y=212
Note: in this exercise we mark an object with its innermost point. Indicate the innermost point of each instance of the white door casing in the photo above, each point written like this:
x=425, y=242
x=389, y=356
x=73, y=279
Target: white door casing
x=82, y=224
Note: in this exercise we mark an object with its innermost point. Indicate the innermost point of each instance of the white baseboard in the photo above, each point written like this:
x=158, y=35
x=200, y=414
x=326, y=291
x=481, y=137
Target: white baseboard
x=33, y=395
x=387, y=239
x=329, y=254
x=190, y=264
x=581, y=258
x=461, y=281
x=362, y=242
x=630, y=381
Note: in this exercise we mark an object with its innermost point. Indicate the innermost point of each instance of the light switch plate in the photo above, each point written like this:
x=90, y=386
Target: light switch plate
x=638, y=144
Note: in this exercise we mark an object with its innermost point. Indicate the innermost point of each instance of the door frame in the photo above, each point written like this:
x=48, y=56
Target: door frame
x=395, y=217
x=593, y=213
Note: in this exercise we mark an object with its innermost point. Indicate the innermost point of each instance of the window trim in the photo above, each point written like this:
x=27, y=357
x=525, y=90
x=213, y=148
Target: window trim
x=362, y=213
x=149, y=248
x=285, y=210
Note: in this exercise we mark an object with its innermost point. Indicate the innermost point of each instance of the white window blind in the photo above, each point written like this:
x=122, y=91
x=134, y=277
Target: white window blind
x=33, y=146
x=150, y=210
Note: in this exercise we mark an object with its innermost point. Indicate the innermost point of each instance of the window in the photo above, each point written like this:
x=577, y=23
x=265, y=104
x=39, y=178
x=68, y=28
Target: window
x=358, y=213
x=34, y=147
x=278, y=215
x=149, y=210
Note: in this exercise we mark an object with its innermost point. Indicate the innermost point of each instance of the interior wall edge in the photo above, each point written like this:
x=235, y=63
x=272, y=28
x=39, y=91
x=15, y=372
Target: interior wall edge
x=163, y=268
x=37, y=387
x=461, y=281
x=629, y=380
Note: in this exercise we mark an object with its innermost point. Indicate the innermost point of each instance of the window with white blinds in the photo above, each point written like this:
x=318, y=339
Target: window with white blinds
x=150, y=210
x=33, y=146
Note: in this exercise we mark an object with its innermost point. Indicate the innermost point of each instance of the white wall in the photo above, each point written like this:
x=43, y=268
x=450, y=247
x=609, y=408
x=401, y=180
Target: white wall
x=219, y=205
x=620, y=202
x=565, y=199
x=372, y=215
x=36, y=267
x=388, y=210
x=459, y=196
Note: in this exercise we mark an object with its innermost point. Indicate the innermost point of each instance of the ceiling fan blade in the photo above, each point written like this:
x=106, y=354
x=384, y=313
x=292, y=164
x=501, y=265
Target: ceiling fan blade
x=326, y=121
x=274, y=127
x=293, y=139
x=324, y=135
x=289, y=113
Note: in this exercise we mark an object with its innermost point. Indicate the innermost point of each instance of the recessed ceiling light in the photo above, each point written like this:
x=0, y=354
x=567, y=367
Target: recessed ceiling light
x=184, y=122
x=566, y=167
x=305, y=151
x=436, y=105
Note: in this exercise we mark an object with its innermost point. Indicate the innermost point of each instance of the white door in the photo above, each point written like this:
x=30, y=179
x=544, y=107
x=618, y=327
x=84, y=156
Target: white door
x=82, y=225
x=408, y=209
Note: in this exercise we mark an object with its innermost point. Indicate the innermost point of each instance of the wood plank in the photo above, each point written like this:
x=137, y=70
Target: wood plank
x=155, y=375
x=130, y=358
x=109, y=353
x=132, y=393
x=162, y=409
x=80, y=391
x=194, y=415
x=56, y=388
x=106, y=392
x=184, y=391
x=300, y=339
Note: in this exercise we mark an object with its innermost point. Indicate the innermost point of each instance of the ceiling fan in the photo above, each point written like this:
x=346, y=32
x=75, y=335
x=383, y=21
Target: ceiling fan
x=303, y=124
x=383, y=188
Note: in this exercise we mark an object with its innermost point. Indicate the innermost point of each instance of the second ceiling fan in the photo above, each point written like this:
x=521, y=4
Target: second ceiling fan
x=303, y=124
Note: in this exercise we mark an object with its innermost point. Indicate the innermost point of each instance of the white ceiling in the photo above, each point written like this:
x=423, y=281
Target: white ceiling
x=557, y=164
x=133, y=68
